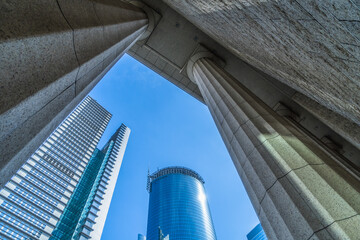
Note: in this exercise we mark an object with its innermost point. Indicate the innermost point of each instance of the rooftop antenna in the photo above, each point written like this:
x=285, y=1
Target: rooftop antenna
x=148, y=181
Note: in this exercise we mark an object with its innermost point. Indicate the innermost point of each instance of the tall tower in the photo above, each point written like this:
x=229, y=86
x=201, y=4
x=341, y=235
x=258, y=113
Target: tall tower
x=178, y=205
x=84, y=217
x=34, y=200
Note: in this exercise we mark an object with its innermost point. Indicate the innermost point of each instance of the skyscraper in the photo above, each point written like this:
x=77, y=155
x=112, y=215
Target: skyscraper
x=37, y=202
x=33, y=201
x=84, y=216
x=178, y=205
x=257, y=233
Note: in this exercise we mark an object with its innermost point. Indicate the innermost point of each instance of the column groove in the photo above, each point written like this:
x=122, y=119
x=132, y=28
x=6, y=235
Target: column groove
x=53, y=53
x=296, y=186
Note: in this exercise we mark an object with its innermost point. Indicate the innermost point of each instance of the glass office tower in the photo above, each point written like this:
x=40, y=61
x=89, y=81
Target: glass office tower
x=257, y=233
x=32, y=202
x=66, y=170
x=84, y=216
x=178, y=205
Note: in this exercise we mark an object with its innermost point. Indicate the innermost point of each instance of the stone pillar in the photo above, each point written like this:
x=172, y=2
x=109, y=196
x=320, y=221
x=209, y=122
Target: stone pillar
x=298, y=189
x=53, y=52
x=346, y=128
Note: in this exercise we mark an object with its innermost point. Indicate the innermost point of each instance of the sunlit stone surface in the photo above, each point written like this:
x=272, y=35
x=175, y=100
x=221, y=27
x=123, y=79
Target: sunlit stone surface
x=296, y=186
x=52, y=54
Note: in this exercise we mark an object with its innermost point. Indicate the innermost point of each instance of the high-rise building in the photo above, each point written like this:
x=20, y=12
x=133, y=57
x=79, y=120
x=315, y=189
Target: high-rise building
x=64, y=189
x=141, y=237
x=178, y=205
x=257, y=233
x=33, y=201
x=84, y=216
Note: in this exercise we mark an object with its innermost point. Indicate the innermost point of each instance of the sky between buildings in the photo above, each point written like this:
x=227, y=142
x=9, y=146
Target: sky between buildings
x=168, y=128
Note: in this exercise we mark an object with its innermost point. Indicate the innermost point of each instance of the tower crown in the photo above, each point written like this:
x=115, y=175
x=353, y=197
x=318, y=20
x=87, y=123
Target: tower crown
x=172, y=170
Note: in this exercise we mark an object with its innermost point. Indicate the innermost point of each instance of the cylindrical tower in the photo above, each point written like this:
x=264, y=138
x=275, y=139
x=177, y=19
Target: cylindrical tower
x=178, y=205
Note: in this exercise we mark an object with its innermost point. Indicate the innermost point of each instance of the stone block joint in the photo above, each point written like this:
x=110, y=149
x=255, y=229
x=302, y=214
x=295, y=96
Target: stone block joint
x=292, y=181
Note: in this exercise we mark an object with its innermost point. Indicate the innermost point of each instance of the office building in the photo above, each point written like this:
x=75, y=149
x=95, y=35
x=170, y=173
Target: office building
x=66, y=172
x=178, y=206
x=33, y=201
x=257, y=233
x=84, y=217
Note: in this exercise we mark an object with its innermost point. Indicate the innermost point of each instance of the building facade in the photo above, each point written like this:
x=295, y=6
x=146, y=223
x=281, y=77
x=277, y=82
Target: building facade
x=64, y=189
x=178, y=206
x=114, y=150
x=257, y=233
x=33, y=201
x=280, y=79
x=84, y=217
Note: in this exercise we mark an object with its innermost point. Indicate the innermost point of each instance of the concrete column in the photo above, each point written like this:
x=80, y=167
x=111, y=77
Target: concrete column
x=52, y=53
x=346, y=128
x=298, y=189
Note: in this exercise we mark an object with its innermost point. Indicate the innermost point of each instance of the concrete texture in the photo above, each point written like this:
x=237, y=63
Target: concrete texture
x=347, y=129
x=312, y=46
x=51, y=51
x=165, y=68
x=299, y=58
x=165, y=53
x=298, y=187
x=37, y=134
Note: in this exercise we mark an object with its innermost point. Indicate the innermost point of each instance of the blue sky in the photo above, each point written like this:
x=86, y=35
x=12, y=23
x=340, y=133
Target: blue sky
x=168, y=128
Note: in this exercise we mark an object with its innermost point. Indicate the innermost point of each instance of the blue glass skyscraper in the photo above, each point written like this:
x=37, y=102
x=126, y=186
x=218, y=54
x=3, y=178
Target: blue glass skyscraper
x=64, y=190
x=84, y=216
x=35, y=198
x=257, y=233
x=178, y=206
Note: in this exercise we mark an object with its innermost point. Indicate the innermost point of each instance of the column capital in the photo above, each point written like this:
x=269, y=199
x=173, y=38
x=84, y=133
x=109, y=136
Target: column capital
x=152, y=15
x=200, y=52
